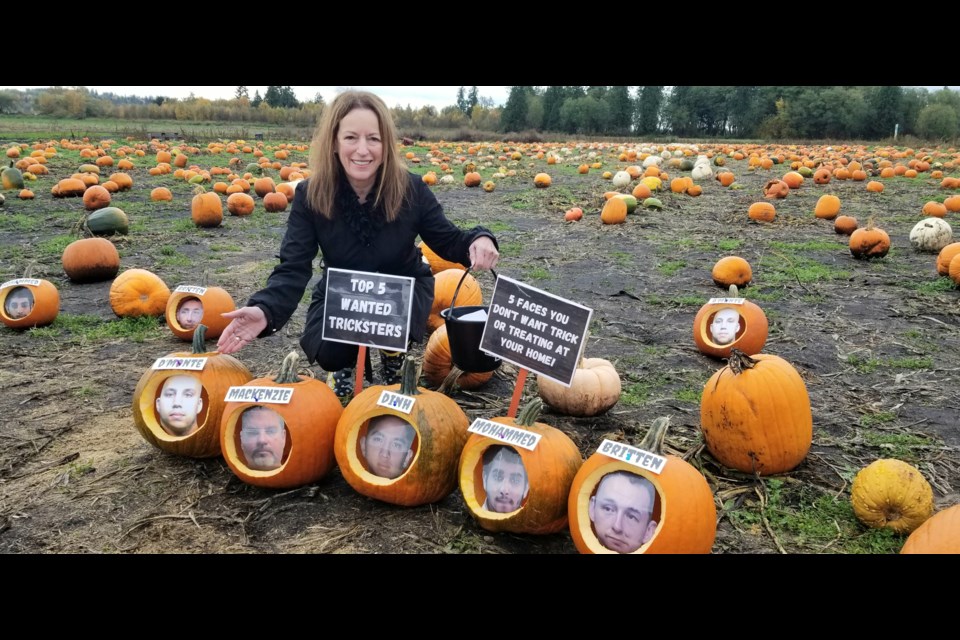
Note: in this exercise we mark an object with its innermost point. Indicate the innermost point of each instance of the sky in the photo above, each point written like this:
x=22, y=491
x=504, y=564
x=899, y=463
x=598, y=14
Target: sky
x=416, y=97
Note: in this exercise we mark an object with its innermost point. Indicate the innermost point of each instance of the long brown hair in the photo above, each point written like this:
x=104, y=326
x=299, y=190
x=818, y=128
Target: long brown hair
x=325, y=168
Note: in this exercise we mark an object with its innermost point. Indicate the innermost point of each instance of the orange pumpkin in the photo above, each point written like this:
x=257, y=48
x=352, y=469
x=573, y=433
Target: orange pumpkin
x=945, y=256
x=614, y=211
x=776, y=189
x=683, y=509
x=240, y=203
x=28, y=302
x=762, y=211
x=550, y=467
x=472, y=179
x=731, y=270
x=828, y=207
x=869, y=242
x=90, y=260
x=206, y=208
x=219, y=373
x=309, y=423
x=542, y=180
x=438, y=363
x=751, y=326
x=138, y=292
x=939, y=534
x=275, y=202
x=440, y=429
x=214, y=302
x=755, y=414
x=845, y=225
x=445, y=286
x=438, y=264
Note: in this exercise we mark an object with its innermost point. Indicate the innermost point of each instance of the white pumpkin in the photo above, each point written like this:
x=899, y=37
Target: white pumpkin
x=447, y=179
x=931, y=235
x=621, y=179
x=701, y=172
x=652, y=161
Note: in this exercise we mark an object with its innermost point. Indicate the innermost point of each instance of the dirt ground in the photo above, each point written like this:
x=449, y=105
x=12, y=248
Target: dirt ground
x=877, y=344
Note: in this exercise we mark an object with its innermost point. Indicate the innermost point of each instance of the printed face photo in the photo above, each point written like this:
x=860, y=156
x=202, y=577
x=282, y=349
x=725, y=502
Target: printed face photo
x=190, y=313
x=19, y=303
x=504, y=479
x=621, y=511
x=387, y=446
x=181, y=399
x=725, y=325
x=263, y=437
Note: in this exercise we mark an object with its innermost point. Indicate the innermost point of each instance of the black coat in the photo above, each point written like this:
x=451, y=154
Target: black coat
x=358, y=239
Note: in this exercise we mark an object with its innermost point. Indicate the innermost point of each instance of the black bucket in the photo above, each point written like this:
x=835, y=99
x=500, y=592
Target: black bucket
x=465, y=336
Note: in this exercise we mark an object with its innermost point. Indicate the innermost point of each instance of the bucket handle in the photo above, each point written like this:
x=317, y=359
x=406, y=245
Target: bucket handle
x=457, y=290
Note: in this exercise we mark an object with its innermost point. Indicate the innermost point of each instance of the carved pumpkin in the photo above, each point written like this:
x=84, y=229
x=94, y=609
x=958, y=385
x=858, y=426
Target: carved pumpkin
x=732, y=270
x=684, y=508
x=138, y=292
x=90, y=260
x=891, y=494
x=215, y=301
x=309, y=425
x=206, y=208
x=219, y=373
x=938, y=534
x=41, y=296
x=755, y=414
x=440, y=427
x=776, y=189
x=594, y=390
x=747, y=331
x=869, y=242
x=444, y=286
x=549, y=470
x=438, y=363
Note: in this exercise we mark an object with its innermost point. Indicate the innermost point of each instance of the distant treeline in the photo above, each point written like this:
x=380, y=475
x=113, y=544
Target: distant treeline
x=826, y=112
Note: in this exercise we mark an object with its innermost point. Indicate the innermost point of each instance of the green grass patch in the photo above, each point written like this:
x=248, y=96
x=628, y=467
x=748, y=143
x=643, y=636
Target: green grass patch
x=897, y=445
x=20, y=222
x=869, y=365
x=729, y=244
x=803, y=517
x=183, y=224
x=511, y=248
x=688, y=395
x=671, y=267
x=538, y=273
x=874, y=419
x=54, y=246
x=940, y=285
x=622, y=258
x=226, y=247
x=779, y=269
x=676, y=301
x=86, y=327
x=811, y=245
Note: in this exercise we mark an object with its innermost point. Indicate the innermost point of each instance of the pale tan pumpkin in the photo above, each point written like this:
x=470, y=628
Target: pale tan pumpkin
x=594, y=389
x=891, y=494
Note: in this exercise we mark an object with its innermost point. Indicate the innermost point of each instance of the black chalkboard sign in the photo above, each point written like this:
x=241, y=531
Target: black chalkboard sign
x=368, y=309
x=535, y=330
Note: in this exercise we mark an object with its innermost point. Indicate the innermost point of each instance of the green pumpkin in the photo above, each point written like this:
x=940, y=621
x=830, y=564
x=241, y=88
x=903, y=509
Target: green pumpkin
x=255, y=169
x=89, y=168
x=686, y=165
x=629, y=199
x=11, y=177
x=107, y=221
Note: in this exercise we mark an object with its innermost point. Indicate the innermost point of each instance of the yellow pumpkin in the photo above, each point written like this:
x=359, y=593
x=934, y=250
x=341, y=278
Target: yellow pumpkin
x=891, y=494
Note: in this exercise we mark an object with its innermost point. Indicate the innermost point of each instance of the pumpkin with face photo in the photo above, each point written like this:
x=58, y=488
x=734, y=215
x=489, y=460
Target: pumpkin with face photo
x=308, y=421
x=548, y=470
x=684, y=515
x=219, y=373
x=29, y=302
x=429, y=472
x=730, y=322
x=211, y=302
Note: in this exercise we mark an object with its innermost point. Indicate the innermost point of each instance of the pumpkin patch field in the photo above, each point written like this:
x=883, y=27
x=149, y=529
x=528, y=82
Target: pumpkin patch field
x=844, y=347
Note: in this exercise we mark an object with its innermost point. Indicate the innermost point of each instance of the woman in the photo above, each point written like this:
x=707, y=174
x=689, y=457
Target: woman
x=363, y=210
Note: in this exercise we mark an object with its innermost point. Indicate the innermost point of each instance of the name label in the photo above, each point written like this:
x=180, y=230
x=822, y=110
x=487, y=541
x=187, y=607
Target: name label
x=189, y=364
x=186, y=288
x=396, y=401
x=632, y=455
x=264, y=395
x=726, y=301
x=19, y=282
x=505, y=433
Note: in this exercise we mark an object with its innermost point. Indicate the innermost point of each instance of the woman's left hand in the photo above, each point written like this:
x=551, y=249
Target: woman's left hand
x=483, y=253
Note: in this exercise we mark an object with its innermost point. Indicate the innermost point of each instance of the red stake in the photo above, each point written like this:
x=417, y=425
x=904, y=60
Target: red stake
x=517, y=392
x=361, y=361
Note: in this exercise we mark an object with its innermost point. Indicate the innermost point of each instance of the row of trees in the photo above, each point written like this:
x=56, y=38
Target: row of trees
x=767, y=112
x=807, y=112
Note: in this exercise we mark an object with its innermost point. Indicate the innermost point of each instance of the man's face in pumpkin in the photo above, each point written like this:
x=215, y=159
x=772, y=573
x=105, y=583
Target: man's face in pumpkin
x=179, y=403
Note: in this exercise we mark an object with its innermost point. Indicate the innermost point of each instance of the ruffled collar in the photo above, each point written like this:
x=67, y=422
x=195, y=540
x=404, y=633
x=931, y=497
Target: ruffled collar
x=364, y=220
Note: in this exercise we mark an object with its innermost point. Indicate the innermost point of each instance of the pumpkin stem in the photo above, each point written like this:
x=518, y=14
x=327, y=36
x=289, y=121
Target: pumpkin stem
x=653, y=441
x=199, y=190
x=583, y=354
x=204, y=278
x=199, y=337
x=739, y=361
x=81, y=228
x=733, y=291
x=29, y=269
x=529, y=414
x=447, y=385
x=288, y=369
x=409, y=376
